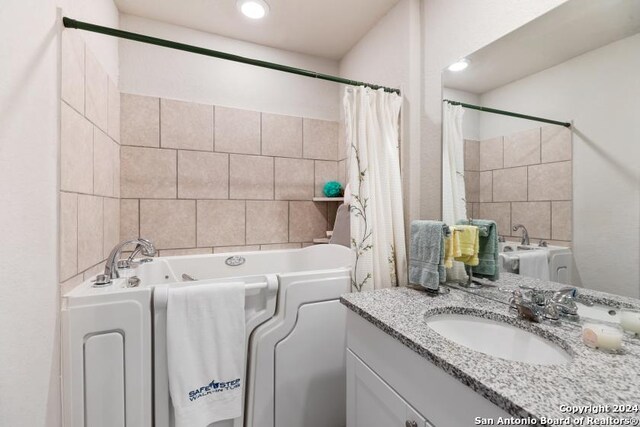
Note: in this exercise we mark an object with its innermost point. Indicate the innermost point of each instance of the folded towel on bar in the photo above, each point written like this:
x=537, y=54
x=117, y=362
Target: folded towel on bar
x=534, y=264
x=427, y=253
x=205, y=352
x=469, y=241
x=488, y=263
x=452, y=247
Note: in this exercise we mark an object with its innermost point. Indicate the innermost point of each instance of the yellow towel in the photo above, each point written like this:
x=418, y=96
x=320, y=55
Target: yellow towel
x=451, y=247
x=469, y=244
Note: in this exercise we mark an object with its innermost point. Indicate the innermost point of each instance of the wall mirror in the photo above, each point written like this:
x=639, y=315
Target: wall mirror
x=575, y=188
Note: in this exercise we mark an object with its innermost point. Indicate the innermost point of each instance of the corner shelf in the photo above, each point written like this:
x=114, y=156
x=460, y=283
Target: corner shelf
x=328, y=199
x=321, y=240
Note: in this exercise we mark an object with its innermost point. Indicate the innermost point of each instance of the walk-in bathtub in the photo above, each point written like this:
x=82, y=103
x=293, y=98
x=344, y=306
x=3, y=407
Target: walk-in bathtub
x=114, y=339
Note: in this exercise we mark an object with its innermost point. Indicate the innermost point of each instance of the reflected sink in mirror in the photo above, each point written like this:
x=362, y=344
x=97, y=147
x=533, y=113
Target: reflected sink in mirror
x=498, y=339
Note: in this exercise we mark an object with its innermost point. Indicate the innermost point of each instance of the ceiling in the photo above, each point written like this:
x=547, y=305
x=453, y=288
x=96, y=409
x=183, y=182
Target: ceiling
x=325, y=28
x=574, y=28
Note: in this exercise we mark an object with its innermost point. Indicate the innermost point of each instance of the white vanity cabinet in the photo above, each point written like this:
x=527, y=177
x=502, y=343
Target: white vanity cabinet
x=371, y=402
x=390, y=385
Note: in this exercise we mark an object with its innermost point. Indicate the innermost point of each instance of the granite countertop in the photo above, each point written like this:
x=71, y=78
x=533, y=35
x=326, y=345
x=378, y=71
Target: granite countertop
x=593, y=377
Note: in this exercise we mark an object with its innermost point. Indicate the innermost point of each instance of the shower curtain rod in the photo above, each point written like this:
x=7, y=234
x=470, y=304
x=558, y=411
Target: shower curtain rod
x=72, y=23
x=508, y=113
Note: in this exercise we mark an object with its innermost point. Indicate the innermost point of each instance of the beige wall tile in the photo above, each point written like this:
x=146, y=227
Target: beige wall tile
x=68, y=235
x=294, y=179
x=550, y=181
x=111, y=225
x=475, y=210
x=251, y=177
x=281, y=135
x=70, y=284
x=237, y=131
x=500, y=213
x=522, y=148
x=169, y=224
x=186, y=125
x=486, y=186
x=129, y=219
x=307, y=221
x=90, y=231
x=325, y=171
x=471, y=155
x=72, y=73
x=535, y=216
x=280, y=246
x=267, y=222
x=491, y=154
x=561, y=221
x=76, y=151
x=343, y=148
x=472, y=186
x=106, y=156
x=96, y=92
x=113, y=118
x=139, y=120
x=332, y=210
x=221, y=222
x=556, y=144
x=148, y=172
x=182, y=252
x=510, y=185
x=94, y=270
x=228, y=249
x=203, y=175
x=343, y=177
x=320, y=139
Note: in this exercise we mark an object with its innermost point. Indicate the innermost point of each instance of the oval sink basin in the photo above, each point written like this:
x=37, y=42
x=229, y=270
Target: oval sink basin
x=498, y=339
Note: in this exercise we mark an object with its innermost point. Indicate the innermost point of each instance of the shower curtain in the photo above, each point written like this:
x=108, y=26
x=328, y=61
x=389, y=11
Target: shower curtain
x=377, y=221
x=454, y=205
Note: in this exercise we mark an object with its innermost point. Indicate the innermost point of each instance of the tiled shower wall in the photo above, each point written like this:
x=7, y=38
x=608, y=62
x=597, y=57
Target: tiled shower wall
x=89, y=162
x=201, y=178
x=523, y=178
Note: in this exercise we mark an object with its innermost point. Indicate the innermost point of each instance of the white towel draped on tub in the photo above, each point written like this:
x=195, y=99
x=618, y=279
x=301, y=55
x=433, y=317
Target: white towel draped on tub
x=534, y=264
x=205, y=351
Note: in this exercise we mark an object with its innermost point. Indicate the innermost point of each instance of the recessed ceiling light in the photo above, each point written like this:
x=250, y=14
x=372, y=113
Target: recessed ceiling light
x=254, y=9
x=458, y=65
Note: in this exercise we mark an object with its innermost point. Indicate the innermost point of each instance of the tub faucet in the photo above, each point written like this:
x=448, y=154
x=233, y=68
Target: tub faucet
x=143, y=246
x=525, y=234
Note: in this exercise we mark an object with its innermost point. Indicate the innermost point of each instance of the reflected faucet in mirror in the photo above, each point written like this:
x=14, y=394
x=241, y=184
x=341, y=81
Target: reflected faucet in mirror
x=525, y=234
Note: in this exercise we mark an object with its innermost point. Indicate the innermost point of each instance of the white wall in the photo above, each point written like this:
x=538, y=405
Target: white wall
x=29, y=128
x=28, y=188
x=100, y=12
x=453, y=29
x=389, y=55
x=471, y=118
x=599, y=93
x=157, y=71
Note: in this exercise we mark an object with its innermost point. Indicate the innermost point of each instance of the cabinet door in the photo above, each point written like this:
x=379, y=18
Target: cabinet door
x=372, y=403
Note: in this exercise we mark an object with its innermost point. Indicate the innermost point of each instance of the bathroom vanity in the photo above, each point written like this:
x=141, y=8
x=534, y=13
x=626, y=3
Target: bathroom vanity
x=406, y=366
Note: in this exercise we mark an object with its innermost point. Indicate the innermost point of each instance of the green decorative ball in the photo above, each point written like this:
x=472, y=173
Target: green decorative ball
x=332, y=189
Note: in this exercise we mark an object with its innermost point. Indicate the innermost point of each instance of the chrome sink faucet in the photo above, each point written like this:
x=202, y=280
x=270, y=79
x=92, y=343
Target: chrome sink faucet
x=143, y=246
x=534, y=306
x=525, y=234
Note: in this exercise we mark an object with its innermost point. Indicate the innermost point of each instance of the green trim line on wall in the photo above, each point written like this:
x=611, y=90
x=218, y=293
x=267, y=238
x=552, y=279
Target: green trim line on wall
x=508, y=113
x=72, y=23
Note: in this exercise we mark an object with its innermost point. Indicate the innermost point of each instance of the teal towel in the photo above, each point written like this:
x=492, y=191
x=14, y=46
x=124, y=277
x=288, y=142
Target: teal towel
x=426, y=260
x=488, y=255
